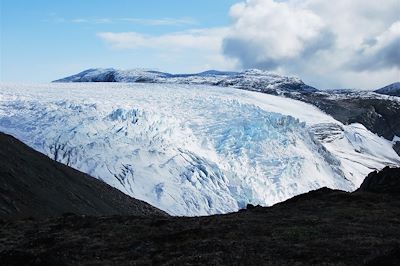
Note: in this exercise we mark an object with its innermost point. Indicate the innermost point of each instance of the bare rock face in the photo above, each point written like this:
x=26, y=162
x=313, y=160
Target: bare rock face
x=379, y=115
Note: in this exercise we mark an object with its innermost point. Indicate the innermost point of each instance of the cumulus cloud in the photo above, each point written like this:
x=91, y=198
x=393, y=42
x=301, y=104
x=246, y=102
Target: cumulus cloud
x=327, y=44
x=316, y=40
x=380, y=52
x=268, y=34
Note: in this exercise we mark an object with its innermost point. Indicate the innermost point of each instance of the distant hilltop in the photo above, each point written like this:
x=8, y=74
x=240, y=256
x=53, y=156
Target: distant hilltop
x=392, y=89
x=252, y=79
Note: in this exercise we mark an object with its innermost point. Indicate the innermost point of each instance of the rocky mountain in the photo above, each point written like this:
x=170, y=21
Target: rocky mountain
x=322, y=227
x=378, y=113
x=392, y=89
x=33, y=185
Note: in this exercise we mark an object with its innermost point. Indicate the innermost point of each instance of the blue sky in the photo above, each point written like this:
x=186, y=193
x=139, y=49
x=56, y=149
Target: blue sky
x=43, y=40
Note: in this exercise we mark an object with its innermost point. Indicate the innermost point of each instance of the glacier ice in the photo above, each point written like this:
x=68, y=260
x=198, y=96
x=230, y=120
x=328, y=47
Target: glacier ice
x=191, y=149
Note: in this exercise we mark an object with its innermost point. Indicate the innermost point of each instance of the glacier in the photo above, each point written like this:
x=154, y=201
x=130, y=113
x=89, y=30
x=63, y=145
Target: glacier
x=192, y=149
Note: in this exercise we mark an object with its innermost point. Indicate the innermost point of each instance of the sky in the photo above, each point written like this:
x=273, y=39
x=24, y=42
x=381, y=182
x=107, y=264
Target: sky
x=348, y=44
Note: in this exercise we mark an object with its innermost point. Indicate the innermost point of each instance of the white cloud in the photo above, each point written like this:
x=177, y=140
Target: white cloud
x=186, y=51
x=132, y=20
x=326, y=43
x=381, y=52
x=92, y=21
x=161, y=22
x=199, y=39
x=266, y=32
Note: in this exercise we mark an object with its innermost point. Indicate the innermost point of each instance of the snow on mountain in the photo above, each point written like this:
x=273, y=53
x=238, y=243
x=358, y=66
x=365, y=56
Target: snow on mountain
x=113, y=75
x=252, y=79
x=392, y=89
x=192, y=150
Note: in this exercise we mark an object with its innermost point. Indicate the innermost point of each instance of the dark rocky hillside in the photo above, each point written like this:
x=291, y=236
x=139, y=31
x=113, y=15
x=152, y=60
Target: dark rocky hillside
x=33, y=185
x=322, y=227
x=386, y=181
x=379, y=115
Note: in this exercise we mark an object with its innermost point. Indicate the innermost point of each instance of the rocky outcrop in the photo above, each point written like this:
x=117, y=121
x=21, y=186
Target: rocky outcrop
x=385, y=181
x=380, y=115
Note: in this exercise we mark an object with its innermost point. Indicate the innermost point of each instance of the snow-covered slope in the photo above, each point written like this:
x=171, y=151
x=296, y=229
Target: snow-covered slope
x=392, y=89
x=252, y=79
x=192, y=150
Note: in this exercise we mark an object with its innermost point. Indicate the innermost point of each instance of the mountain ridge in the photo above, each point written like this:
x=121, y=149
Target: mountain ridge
x=391, y=89
x=251, y=79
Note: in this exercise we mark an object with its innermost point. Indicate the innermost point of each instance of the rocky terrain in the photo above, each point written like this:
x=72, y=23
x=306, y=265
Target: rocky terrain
x=33, y=185
x=325, y=226
x=378, y=114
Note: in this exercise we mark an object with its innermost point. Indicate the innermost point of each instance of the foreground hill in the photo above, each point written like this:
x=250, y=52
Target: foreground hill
x=322, y=227
x=33, y=185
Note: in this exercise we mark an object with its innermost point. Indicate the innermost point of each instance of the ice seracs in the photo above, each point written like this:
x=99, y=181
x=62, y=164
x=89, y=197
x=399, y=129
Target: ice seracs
x=192, y=150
